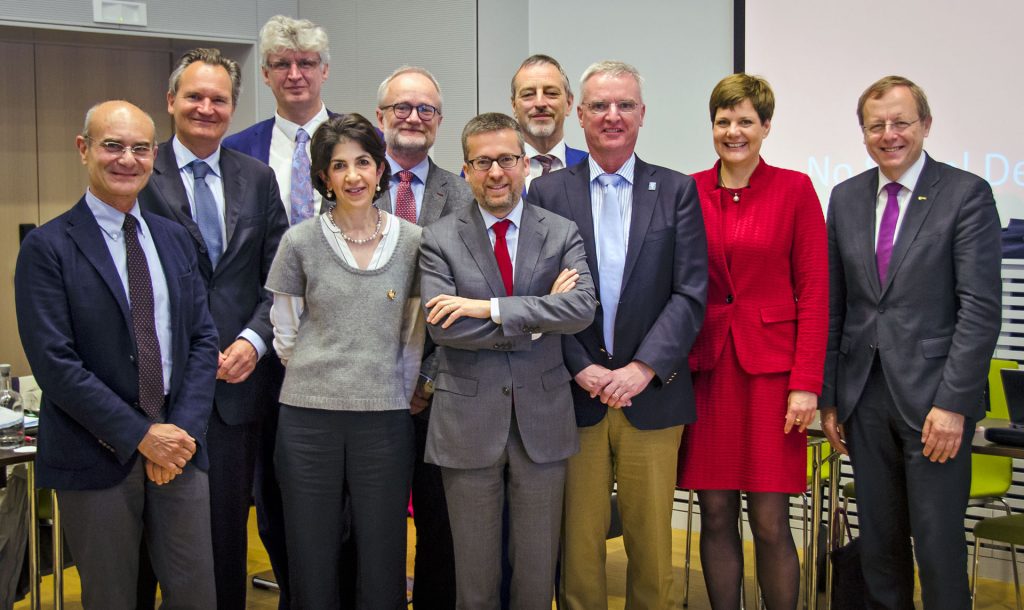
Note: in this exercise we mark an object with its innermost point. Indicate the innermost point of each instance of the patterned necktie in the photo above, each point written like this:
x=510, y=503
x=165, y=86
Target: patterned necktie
x=501, y=254
x=147, y=346
x=207, y=216
x=611, y=250
x=887, y=231
x=545, y=163
x=301, y=196
x=405, y=202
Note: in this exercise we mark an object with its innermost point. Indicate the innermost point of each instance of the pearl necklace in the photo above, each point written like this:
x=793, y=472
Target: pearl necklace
x=351, y=240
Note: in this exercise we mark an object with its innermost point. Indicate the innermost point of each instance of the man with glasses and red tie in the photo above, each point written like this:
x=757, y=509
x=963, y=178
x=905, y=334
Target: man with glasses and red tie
x=409, y=113
x=502, y=282
x=914, y=266
x=541, y=100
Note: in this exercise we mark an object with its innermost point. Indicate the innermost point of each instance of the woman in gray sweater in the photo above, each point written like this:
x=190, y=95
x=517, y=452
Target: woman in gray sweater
x=348, y=326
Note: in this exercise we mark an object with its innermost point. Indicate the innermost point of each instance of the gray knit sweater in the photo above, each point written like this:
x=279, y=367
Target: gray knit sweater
x=348, y=352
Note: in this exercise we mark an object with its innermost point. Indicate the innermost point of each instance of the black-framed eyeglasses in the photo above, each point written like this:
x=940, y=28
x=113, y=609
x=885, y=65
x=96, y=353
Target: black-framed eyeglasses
x=116, y=149
x=877, y=129
x=402, y=110
x=601, y=107
x=285, y=65
x=483, y=164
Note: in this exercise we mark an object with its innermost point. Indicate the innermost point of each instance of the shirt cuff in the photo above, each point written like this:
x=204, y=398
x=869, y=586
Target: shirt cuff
x=495, y=313
x=251, y=336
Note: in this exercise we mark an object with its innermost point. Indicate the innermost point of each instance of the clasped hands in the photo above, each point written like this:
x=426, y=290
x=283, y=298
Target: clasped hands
x=166, y=449
x=615, y=387
x=446, y=309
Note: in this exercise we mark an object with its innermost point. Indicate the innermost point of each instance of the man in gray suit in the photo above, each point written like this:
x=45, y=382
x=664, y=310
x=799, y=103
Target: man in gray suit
x=409, y=113
x=914, y=315
x=502, y=281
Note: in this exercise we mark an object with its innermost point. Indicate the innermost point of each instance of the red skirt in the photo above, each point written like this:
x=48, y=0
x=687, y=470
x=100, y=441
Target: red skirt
x=737, y=441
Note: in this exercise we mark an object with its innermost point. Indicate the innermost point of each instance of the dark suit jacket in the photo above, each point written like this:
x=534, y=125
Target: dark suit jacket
x=255, y=221
x=483, y=366
x=443, y=193
x=76, y=327
x=255, y=139
x=935, y=322
x=663, y=289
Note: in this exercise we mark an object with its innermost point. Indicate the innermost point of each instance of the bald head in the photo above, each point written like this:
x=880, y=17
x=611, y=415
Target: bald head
x=117, y=148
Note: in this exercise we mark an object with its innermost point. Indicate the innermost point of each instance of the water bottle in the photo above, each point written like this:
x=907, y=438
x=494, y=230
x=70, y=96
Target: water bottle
x=12, y=415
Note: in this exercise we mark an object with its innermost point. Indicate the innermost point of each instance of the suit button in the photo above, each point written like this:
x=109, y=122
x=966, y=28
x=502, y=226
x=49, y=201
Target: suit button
x=728, y=299
x=881, y=310
x=131, y=357
x=506, y=391
x=871, y=346
x=496, y=346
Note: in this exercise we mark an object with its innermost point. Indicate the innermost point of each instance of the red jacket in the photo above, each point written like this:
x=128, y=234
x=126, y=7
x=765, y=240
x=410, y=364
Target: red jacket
x=774, y=295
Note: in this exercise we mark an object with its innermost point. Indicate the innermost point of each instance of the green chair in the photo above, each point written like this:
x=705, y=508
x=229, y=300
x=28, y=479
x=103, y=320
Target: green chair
x=1009, y=529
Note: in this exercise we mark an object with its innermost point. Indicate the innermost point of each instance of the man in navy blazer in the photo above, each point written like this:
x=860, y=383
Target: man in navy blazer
x=645, y=244
x=80, y=295
x=914, y=315
x=541, y=100
x=249, y=221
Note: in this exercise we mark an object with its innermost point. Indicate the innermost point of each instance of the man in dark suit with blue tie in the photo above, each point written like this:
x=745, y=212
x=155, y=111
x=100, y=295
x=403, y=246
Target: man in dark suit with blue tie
x=229, y=204
x=644, y=235
x=113, y=316
x=541, y=100
x=914, y=266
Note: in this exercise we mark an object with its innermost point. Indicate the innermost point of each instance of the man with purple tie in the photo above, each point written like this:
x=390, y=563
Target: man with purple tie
x=914, y=315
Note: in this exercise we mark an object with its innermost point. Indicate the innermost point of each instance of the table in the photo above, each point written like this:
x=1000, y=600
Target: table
x=11, y=457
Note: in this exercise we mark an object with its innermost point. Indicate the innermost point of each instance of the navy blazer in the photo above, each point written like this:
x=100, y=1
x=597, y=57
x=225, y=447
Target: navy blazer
x=75, y=325
x=574, y=156
x=255, y=221
x=664, y=287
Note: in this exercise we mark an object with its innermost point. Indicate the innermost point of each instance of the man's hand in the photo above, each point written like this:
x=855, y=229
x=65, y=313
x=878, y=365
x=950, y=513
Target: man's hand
x=237, y=362
x=833, y=430
x=160, y=476
x=565, y=281
x=420, y=398
x=168, y=446
x=942, y=434
x=454, y=308
x=593, y=379
x=800, y=410
x=625, y=383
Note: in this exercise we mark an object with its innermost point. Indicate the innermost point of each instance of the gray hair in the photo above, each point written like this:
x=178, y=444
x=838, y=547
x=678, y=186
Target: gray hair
x=613, y=69
x=383, y=88
x=540, y=59
x=282, y=33
x=90, y=111
x=489, y=122
x=213, y=58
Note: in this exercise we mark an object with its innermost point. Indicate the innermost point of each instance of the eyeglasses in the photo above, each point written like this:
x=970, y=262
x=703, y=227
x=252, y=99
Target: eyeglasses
x=116, y=149
x=285, y=65
x=483, y=164
x=877, y=129
x=402, y=110
x=601, y=107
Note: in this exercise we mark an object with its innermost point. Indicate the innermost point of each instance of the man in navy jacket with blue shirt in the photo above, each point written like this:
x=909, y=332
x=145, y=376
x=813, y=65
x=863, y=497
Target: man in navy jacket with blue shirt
x=113, y=316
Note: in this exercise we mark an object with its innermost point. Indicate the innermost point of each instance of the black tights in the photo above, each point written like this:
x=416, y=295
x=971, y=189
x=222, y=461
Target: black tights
x=721, y=550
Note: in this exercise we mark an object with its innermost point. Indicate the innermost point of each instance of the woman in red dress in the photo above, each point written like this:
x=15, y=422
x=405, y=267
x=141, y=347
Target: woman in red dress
x=758, y=362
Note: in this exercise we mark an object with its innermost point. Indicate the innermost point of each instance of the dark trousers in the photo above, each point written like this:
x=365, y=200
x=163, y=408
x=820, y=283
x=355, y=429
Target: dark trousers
x=322, y=454
x=104, y=528
x=434, y=576
x=269, y=509
x=902, y=495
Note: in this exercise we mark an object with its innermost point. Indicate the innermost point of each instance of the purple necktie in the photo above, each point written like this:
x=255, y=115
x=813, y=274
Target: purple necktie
x=301, y=195
x=147, y=345
x=887, y=231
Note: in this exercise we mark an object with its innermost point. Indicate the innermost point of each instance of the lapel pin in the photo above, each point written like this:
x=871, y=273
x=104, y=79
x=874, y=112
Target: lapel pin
x=921, y=198
x=652, y=186
x=391, y=294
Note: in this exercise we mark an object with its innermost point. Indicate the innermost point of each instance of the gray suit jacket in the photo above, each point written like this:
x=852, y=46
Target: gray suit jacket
x=483, y=366
x=935, y=322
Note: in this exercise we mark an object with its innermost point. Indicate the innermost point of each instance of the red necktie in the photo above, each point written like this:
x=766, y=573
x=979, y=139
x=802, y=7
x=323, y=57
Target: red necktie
x=405, y=202
x=545, y=163
x=501, y=254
